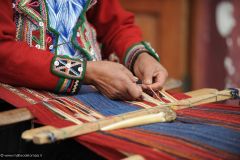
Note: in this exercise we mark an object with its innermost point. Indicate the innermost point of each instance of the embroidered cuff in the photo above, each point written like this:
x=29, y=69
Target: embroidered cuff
x=134, y=51
x=68, y=86
x=71, y=73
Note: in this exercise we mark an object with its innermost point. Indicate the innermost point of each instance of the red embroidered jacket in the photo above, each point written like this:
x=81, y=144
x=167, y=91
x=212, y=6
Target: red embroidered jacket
x=25, y=65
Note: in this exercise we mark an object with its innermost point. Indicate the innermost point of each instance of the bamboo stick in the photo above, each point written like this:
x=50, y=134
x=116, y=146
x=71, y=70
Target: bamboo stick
x=136, y=121
x=76, y=130
x=200, y=92
x=14, y=116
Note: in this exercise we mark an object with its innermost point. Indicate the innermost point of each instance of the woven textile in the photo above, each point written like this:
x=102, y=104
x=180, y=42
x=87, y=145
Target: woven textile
x=204, y=132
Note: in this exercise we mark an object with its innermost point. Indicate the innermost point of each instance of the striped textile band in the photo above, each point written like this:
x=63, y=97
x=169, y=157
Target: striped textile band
x=134, y=51
x=68, y=86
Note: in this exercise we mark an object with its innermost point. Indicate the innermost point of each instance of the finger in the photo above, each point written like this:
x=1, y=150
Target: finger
x=134, y=90
x=160, y=79
x=130, y=75
x=133, y=78
x=147, y=77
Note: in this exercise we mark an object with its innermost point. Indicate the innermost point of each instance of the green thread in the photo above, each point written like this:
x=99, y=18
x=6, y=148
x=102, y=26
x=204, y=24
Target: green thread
x=128, y=52
x=150, y=50
x=50, y=29
x=34, y=17
x=35, y=39
x=59, y=85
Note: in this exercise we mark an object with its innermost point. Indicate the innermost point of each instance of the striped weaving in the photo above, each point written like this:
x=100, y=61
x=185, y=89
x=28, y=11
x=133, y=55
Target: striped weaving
x=209, y=131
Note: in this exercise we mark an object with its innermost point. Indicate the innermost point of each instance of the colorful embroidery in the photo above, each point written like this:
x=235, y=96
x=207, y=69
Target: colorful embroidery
x=39, y=19
x=68, y=86
x=87, y=39
x=61, y=27
x=64, y=21
x=68, y=68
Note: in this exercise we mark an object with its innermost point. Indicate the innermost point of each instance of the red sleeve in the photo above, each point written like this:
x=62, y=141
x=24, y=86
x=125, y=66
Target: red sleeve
x=115, y=27
x=21, y=65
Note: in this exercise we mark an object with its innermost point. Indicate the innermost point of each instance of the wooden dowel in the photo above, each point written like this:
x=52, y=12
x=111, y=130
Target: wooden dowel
x=200, y=92
x=203, y=99
x=15, y=116
x=28, y=135
x=136, y=121
x=134, y=157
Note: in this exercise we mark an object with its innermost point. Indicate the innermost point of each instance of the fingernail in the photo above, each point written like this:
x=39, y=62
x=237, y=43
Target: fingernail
x=135, y=79
x=147, y=82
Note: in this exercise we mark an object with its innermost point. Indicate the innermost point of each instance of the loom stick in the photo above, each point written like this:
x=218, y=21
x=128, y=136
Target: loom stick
x=134, y=157
x=136, y=121
x=28, y=135
x=151, y=99
x=167, y=96
x=203, y=99
x=76, y=130
x=200, y=92
x=14, y=116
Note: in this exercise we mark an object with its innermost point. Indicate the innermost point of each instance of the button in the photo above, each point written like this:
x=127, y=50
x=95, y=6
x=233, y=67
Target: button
x=50, y=47
x=37, y=46
x=41, y=24
x=80, y=69
x=78, y=34
x=56, y=63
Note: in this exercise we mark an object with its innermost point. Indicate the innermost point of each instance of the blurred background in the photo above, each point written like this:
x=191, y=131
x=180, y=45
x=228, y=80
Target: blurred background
x=198, y=40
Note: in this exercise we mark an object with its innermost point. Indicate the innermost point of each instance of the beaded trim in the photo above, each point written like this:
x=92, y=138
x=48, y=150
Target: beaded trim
x=39, y=19
x=134, y=51
x=85, y=39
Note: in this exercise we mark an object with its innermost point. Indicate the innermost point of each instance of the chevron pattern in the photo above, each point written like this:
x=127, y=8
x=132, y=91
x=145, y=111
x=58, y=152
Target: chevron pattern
x=63, y=16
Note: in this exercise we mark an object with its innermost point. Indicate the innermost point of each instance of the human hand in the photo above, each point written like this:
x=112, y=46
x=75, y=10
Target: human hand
x=150, y=71
x=113, y=80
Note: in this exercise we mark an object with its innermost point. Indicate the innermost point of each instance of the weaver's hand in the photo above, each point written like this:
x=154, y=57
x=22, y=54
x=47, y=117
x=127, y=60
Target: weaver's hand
x=113, y=80
x=150, y=71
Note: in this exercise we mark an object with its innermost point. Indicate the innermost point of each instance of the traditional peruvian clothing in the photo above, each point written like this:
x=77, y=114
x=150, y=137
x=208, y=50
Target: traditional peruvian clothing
x=45, y=43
